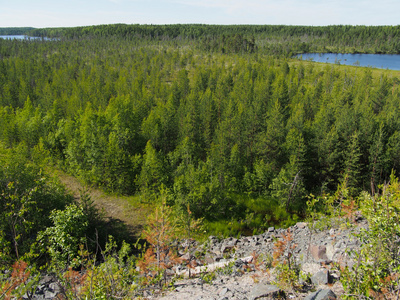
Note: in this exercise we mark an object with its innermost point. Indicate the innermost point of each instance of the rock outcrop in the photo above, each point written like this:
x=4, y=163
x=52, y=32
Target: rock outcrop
x=317, y=252
x=240, y=268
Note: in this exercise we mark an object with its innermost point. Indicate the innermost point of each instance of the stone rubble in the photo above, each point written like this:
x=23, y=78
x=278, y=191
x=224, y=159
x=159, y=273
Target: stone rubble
x=48, y=288
x=315, y=251
x=235, y=266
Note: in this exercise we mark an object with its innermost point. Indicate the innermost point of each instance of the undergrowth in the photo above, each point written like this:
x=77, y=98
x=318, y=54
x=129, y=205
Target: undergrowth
x=375, y=272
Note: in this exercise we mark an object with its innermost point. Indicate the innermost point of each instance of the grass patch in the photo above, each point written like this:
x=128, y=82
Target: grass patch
x=251, y=215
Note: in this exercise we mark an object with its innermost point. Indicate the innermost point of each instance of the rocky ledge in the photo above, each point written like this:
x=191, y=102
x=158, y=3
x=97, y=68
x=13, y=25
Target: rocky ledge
x=241, y=268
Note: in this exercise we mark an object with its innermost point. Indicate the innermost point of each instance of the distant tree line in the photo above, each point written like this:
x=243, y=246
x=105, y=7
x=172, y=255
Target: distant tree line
x=15, y=30
x=278, y=39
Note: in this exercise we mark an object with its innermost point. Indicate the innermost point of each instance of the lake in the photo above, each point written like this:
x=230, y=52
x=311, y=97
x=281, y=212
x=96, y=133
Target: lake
x=24, y=37
x=381, y=61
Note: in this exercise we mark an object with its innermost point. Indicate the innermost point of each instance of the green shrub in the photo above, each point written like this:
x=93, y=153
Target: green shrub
x=115, y=278
x=375, y=273
x=27, y=196
x=63, y=239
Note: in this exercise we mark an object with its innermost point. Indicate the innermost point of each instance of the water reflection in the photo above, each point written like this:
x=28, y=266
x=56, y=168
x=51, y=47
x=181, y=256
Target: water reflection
x=381, y=61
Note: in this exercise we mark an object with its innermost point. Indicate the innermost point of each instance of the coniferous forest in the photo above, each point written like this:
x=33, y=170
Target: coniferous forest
x=220, y=122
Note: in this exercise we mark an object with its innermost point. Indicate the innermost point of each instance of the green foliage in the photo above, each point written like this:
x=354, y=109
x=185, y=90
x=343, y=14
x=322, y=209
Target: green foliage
x=277, y=39
x=63, y=239
x=152, y=174
x=159, y=232
x=188, y=227
x=286, y=268
x=223, y=229
x=15, y=30
x=251, y=215
x=260, y=179
x=211, y=112
x=114, y=278
x=22, y=281
x=377, y=266
x=208, y=277
x=27, y=196
x=352, y=157
x=331, y=210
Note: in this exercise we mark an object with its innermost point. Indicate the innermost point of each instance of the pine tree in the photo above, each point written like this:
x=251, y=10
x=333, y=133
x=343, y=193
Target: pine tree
x=351, y=164
x=153, y=173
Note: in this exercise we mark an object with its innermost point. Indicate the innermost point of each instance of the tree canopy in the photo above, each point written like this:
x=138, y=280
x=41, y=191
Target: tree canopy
x=212, y=113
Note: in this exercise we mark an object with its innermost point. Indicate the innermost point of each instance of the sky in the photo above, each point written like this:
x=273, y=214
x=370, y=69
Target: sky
x=71, y=13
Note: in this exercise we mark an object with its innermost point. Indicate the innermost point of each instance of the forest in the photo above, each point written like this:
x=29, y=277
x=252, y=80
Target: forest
x=221, y=119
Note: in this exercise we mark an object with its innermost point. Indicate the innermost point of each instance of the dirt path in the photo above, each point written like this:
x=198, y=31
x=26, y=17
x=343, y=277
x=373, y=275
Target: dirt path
x=120, y=208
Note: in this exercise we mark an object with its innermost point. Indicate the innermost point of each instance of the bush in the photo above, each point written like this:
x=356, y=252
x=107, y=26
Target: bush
x=27, y=196
x=63, y=239
x=377, y=264
x=114, y=278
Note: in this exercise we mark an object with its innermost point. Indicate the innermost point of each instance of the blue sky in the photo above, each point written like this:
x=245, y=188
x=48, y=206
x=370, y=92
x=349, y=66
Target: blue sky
x=69, y=13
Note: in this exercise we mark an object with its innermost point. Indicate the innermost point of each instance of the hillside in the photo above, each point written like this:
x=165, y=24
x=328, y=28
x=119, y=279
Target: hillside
x=184, y=132
x=244, y=268
x=226, y=133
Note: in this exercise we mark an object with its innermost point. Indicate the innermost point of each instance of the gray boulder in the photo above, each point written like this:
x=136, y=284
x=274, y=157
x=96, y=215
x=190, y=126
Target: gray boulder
x=321, y=277
x=321, y=295
x=318, y=252
x=266, y=291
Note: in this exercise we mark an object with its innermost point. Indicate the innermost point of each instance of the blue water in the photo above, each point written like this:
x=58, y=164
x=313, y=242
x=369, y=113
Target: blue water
x=24, y=37
x=381, y=61
x=17, y=37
